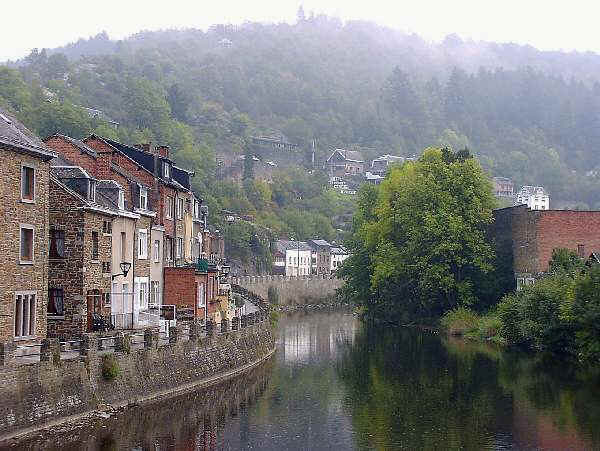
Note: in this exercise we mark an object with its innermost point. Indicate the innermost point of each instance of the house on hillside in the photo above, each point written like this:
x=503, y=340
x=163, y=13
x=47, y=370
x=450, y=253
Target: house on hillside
x=380, y=165
x=321, y=257
x=503, y=187
x=297, y=260
x=277, y=142
x=24, y=163
x=535, y=197
x=338, y=255
x=343, y=163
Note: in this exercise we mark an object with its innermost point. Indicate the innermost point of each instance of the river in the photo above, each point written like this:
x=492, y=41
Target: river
x=336, y=384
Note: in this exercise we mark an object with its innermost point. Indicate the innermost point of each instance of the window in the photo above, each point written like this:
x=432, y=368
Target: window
x=143, y=295
x=581, y=250
x=107, y=227
x=55, y=302
x=143, y=244
x=27, y=184
x=169, y=207
x=106, y=300
x=143, y=198
x=94, y=245
x=156, y=251
x=169, y=248
x=166, y=170
x=24, y=314
x=26, y=244
x=92, y=190
x=106, y=267
x=154, y=293
x=121, y=199
x=180, y=208
x=179, y=249
x=123, y=246
x=57, y=244
x=196, y=209
x=201, y=301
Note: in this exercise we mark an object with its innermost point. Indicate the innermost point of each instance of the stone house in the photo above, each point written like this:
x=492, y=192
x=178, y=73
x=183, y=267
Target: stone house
x=298, y=258
x=321, y=257
x=132, y=238
x=503, y=187
x=345, y=163
x=24, y=163
x=525, y=238
x=338, y=255
x=380, y=165
x=80, y=251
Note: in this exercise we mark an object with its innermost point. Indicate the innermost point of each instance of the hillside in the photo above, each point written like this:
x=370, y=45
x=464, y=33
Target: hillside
x=530, y=115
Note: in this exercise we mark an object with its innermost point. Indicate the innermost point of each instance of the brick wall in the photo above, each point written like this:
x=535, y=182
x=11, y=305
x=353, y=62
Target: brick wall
x=179, y=287
x=15, y=276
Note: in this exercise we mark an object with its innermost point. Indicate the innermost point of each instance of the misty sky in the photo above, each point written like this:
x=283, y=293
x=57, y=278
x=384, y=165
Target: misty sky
x=549, y=24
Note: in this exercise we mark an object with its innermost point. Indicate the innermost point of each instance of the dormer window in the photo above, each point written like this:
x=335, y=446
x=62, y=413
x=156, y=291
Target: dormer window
x=92, y=191
x=166, y=170
x=143, y=198
x=121, y=199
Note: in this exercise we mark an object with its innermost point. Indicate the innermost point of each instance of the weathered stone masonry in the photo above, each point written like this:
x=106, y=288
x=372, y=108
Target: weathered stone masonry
x=36, y=394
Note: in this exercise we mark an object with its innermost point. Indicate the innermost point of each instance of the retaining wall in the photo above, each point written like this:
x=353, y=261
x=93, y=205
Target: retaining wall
x=51, y=390
x=292, y=290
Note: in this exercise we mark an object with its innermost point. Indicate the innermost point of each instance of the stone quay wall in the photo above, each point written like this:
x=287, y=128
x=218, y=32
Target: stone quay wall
x=52, y=390
x=297, y=290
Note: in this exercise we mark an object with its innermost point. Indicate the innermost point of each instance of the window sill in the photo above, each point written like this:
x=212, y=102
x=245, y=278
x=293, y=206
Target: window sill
x=28, y=201
x=106, y=234
x=24, y=338
x=142, y=258
x=56, y=317
x=95, y=262
x=56, y=259
x=26, y=263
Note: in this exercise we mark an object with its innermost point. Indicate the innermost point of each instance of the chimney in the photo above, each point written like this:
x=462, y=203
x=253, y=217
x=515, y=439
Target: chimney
x=163, y=151
x=147, y=147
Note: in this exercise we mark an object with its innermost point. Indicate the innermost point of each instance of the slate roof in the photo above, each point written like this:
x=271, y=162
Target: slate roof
x=70, y=172
x=338, y=251
x=320, y=243
x=108, y=184
x=292, y=245
x=14, y=134
x=349, y=155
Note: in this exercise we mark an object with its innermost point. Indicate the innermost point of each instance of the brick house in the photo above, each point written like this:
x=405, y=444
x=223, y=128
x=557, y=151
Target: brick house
x=80, y=251
x=525, y=238
x=136, y=237
x=321, y=257
x=24, y=163
x=187, y=288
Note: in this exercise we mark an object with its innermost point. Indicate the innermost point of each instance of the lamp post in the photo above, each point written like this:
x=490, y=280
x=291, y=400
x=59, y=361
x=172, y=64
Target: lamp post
x=125, y=267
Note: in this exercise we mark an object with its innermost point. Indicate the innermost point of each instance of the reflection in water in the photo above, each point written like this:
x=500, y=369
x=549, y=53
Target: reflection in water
x=335, y=384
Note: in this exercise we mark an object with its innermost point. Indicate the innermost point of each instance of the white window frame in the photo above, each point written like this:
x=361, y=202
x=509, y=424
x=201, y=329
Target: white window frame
x=142, y=244
x=169, y=212
x=178, y=247
x=92, y=190
x=144, y=197
x=201, y=296
x=154, y=293
x=156, y=251
x=121, y=200
x=32, y=228
x=141, y=291
x=180, y=207
x=32, y=327
x=32, y=200
x=166, y=170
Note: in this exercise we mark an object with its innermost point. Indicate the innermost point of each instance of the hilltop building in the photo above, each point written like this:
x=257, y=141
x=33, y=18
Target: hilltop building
x=343, y=163
x=535, y=197
x=380, y=165
x=503, y=187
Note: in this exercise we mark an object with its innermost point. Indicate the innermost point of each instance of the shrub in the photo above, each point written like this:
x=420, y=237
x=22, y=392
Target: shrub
x=110, y=367
x=273, y=295
x=273, y=317
x=459, y=321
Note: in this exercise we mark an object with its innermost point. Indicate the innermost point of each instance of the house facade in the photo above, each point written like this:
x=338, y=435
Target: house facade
x=343, y=163
x=380, y=165
x=298, y=257
x=503, y=187
x=535, y=197
x=338, y=255
x=24, y=163
x=321, y=257
x=80, y=252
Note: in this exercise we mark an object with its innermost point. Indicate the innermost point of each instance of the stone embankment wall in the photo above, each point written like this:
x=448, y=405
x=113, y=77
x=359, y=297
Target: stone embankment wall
x=53, y=390
x=292, y=290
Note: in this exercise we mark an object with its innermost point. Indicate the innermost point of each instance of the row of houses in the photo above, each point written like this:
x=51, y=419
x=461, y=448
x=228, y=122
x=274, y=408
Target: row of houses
x=302, y=258
x=98, y=234
x=535, y=197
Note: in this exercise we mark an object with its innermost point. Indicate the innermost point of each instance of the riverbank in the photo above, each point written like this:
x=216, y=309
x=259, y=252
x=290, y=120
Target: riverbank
x=49, y=393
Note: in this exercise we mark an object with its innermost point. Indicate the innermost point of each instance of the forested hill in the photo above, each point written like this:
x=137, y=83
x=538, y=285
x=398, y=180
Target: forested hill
x=530, y=115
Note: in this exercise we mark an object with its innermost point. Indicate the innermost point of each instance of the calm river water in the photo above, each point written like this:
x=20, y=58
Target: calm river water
x=335, y=384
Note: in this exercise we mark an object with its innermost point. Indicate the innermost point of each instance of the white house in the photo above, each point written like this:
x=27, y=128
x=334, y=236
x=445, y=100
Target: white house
x=297, y=258
x=535, y=197
x=338, y=255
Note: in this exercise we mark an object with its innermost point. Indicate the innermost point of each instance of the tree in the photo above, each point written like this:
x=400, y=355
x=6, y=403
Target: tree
x=426, y=242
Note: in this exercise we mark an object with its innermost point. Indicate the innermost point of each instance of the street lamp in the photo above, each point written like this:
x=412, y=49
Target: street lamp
x=125, y=267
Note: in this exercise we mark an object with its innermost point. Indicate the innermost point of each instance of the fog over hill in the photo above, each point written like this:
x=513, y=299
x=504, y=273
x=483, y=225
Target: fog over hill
x=530, y=115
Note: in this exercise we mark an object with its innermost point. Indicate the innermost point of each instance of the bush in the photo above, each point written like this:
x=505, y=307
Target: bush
x=273, y=317
x=110, y=367
x=487, y=328
x=273, y=295
x=459, y=321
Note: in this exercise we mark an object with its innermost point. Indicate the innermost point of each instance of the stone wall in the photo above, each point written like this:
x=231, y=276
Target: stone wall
x=292, y=290
x=41, y=393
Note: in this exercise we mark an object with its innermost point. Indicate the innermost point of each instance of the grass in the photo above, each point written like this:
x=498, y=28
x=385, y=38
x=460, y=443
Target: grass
x=467, y=323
